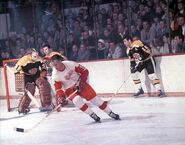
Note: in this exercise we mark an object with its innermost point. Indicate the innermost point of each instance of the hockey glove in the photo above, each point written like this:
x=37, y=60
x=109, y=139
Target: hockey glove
x=133, y=67
x=76, y=88
x=139, y=66
x=61, y=98
x=81, y=85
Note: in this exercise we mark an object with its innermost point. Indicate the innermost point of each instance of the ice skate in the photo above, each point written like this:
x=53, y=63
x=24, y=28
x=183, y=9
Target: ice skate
x=160, y=94
x=46, y=109
x=115, y=116
x=139, y=93
x=95, y=117
x=24, y=112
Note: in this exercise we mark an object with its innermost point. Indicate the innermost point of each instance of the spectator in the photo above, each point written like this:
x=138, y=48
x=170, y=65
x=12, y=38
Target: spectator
x=106, y=35
x=121, y=31
x=155, y=46
x=139, y=25
x=158, y=11
x=115, y=51
x=62, y=52
x=181, y=8
x=5, y=55
x=135, y=33
x=178, y=26
x=147, y=33
x=83, y=53
x=178, y=44
x=22, y=52
x=102, y=51
x=31, y=42
x=89, y=42
x=162, y=29
x=74, y=53
x=181, y=23
x=166, y=48
x=70, y=42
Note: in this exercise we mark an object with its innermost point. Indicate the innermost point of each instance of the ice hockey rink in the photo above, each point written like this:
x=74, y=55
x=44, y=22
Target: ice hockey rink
x=144, y=121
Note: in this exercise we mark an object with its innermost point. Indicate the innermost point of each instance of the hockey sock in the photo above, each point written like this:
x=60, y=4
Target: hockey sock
x=78, y=101
x=101, y=104
x=137, y=84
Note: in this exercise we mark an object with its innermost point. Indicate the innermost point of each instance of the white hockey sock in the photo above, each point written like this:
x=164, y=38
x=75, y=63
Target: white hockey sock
x=78, y=101
x=158, y=87
x=138, y=87
x=101, y=104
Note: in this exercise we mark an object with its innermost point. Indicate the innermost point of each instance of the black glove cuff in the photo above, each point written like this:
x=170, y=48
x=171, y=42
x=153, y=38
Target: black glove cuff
x=132, y=64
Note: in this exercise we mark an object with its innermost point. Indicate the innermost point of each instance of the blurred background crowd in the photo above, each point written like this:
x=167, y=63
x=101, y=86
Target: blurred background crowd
x=90, y=29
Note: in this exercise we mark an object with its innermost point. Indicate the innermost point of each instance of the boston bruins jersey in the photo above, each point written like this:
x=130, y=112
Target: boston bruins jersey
x=29, y=67
x=139, y=51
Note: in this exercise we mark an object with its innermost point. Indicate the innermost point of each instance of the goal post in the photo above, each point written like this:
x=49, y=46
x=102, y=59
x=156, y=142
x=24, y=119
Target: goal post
x=9, y=78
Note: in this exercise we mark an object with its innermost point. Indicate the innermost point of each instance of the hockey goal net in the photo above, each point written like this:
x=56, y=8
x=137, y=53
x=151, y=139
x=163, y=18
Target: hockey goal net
x=14, y=86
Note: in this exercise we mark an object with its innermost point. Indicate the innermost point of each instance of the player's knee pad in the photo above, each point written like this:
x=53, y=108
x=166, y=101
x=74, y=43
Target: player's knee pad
x=24, y=102
x=31, y=88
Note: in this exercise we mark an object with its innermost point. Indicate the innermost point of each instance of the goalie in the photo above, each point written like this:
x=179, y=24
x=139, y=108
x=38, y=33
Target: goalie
x=31, y=66
x=70, y=76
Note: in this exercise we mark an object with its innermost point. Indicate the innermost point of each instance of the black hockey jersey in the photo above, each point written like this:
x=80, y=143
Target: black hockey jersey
x=139, y=51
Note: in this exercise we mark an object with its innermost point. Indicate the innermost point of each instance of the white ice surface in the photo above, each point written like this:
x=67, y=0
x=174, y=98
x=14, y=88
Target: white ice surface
x=145, y=121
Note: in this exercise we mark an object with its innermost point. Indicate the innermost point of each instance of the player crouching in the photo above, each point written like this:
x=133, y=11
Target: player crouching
x=70, y=76
x=31, y=66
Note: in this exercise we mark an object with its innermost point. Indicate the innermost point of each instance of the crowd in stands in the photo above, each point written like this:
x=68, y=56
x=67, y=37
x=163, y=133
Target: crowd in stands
x=89, y=34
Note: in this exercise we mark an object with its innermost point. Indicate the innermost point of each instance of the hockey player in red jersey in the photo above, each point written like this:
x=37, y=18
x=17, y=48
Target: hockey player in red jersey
x=70, y=76
x=140, y=56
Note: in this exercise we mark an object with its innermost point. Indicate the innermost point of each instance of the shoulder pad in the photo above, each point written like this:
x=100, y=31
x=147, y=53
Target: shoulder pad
x=137, y=43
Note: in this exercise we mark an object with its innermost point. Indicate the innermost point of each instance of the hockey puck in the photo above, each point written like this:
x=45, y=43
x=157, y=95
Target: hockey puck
x=19, y=129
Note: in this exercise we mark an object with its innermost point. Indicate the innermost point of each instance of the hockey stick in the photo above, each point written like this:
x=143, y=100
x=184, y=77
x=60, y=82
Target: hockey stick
x=117, y=91
x=24, y=130
x=33, y=98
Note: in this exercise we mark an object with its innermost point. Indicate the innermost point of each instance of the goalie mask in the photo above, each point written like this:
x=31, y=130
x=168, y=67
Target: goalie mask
x=34, y=55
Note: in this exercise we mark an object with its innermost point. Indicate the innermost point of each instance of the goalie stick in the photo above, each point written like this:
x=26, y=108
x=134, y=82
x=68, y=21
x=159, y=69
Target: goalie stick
x=33, y=98
x=24, y=130
x=117, y=91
